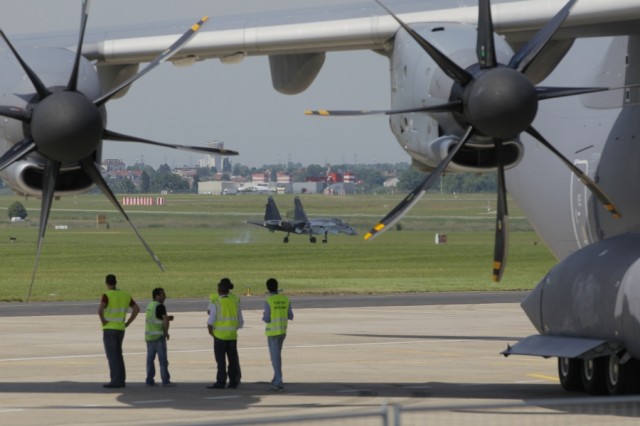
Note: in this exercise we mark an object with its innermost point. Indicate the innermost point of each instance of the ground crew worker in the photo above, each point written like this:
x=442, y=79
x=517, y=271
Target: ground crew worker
x=113, y=312
x=276, y=315
x=225, y=318
x=156, y=334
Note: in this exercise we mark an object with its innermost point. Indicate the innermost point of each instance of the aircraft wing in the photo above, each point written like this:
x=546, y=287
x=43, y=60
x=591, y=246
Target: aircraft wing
x=360, y=27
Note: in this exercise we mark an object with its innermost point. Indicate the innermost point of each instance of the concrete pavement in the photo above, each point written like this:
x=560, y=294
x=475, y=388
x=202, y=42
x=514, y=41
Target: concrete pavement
x=440, y=358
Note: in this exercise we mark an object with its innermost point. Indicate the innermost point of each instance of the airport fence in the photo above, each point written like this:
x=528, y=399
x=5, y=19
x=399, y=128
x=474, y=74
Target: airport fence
x=566, y=411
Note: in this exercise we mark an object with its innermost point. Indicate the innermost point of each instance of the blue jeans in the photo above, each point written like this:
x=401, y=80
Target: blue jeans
x=275, y=352
x=112, y=340
x=158, y=346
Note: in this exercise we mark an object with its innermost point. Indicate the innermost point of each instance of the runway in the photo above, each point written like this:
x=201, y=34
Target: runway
x=432, y=360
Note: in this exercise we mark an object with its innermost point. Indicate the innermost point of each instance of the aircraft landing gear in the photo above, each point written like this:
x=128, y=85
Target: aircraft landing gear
x=569, y=373
x=593, y=375
x=616, y=374
x=286, y=239
x=324, y=240
x=621, y=378
x=312, y=239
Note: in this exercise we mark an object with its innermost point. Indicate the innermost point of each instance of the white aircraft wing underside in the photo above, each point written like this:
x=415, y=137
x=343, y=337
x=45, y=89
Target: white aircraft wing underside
x=293, y=32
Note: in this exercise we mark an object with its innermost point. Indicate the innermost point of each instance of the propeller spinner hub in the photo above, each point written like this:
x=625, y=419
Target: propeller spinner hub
x=66, y=127
x=500, y=102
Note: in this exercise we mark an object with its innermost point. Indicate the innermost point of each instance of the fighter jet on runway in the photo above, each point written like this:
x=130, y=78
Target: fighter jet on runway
x=301, y=224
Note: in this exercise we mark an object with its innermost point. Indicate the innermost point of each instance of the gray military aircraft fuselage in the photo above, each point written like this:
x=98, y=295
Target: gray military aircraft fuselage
x=301, y=224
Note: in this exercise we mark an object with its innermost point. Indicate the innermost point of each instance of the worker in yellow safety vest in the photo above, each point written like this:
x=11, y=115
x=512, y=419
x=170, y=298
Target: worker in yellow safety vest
x=156, y=334
x=276, y=315
x=225, y=318
x=113, y=313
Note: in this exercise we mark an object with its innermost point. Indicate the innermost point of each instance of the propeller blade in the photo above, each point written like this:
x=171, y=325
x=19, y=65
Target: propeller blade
x=485, y=47
x=502, y=219
x=16, y=113
x=528, y=53
x=120, y=137
x=41, y=89
x=586, y=180
x=172, y=50
x=16, y=152
x=560, y=92
x=50, y=177
x=453, y=70
x=90, y=168
x=455, y=106
x=414, y=196
x=73, y=79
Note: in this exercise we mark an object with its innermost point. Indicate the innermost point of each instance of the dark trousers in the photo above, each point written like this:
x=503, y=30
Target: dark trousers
x=225, y=350
x=113, y=347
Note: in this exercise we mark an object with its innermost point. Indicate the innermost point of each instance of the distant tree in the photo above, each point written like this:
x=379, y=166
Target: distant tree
x=315, y=170
x=17, y=210
x=164, y=169
x=469, y=182
x=409, y=179
x=145, y=182
x=169, y=182
x=122, y=186
x=372, y=179
x=226, y=165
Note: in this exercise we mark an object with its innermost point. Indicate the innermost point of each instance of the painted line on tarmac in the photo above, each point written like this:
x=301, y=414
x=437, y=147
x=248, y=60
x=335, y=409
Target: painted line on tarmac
x=154, y=401
x=544, y=377
x=11, y=410
x=336, y=345
x=222, y=397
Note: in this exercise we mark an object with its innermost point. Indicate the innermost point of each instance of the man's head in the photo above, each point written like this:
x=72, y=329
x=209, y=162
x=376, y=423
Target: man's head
x=111, y=281
x=272, y=285
x=224, y=286
x=158, y=294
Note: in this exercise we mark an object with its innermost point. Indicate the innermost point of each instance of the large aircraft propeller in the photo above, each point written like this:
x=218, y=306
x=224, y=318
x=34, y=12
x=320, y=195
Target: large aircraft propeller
x=65, y=126
x=492, y=100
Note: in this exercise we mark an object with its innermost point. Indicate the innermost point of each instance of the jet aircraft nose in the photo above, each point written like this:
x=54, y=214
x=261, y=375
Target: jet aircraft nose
x=532, y=305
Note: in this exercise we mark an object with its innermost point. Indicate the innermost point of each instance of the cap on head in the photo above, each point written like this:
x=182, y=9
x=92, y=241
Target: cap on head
x=272, y=285
x=225, y=284
x=111, y=280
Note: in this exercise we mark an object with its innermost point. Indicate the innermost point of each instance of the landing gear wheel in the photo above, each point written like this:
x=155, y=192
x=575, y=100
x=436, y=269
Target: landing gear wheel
x=569, y=374
x=312, y=240
x=286, y=240
x=593, y=374
x=621, y=378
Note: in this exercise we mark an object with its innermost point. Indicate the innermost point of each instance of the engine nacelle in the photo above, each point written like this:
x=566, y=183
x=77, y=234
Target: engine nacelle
x=593, y=293
x=417, y=81
x=26, y=178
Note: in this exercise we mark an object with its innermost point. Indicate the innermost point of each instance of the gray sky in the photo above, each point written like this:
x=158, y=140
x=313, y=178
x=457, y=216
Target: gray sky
x=231, y=103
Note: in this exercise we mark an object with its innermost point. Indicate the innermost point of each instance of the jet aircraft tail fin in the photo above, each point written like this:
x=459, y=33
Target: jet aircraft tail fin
x=300, y=215
x=271, y=212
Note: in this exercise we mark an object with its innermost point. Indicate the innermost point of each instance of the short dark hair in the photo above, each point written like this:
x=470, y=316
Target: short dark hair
x=272, y=285
x=225, y=284
x=157, y=292
x=111, y=280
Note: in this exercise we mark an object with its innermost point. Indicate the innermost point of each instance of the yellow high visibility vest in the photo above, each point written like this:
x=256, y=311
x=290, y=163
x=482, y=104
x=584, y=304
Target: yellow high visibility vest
x=279, y=307
x=153, y=327
x=116, y=311
x=225, y=327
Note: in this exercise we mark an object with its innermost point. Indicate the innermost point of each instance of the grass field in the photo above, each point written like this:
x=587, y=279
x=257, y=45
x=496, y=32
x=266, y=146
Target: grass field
x=200, y=239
